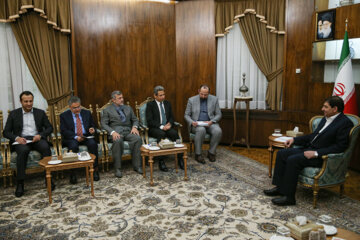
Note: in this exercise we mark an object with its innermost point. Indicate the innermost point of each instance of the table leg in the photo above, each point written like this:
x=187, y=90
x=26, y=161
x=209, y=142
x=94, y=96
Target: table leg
x=151, y=170
x=185, y=166
x=91, y=179
x=271, y=151
x=87, y=175
x=176, y=163
x=143, y=166
x=234, y=115
x=48, y=180
x=247, y=124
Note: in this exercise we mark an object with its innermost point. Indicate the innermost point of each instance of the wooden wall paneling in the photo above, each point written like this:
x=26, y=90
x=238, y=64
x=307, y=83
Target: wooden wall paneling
x=195, y=51
x=298, y=54
x=350, y=12
x=123, y=45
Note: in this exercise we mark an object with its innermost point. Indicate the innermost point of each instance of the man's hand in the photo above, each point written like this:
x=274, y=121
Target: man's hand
x=21, y=140
x=209, y=123
x=310, y=154
x=91, y=130
x=115, y=136
x=194, y=124
x=289, y=142
x=134, y=131
x=167, y=126
x=36, y=138
x=80, y=139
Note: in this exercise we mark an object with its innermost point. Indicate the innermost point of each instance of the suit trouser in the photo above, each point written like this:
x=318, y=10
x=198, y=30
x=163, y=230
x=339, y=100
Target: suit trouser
x=90, y=143
x=215, y=132
x=23, y=150
x=161, y=134
x=289, y=163
x=118, y=150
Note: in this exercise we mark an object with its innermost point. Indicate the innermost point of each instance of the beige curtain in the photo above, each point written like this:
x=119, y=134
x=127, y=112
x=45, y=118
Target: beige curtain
x=41, y=29
x=262, y=25
x=55, y=12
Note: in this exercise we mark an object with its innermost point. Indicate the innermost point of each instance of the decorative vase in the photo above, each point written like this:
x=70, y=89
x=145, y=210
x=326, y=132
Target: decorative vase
x=243, y=89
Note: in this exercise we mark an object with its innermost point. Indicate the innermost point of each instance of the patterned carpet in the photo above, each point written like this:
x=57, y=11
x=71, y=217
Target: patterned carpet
x=221, y=200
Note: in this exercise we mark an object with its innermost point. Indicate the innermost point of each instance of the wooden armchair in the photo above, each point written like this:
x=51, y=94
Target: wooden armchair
x=107, y=145
x=34, y=156
x=334, y=169
x=62, y=150
x=4, y=164
x=141, y=115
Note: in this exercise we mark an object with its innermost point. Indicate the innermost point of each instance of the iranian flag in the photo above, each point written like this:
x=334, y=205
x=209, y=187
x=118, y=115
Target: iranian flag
x=344, y=84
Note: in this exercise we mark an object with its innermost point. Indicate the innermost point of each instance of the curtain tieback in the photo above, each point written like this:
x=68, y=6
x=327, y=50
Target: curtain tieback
x=274, y=74
x=53, y=101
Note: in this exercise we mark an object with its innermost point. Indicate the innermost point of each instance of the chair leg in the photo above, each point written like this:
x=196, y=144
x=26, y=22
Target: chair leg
x=315, y=192
x=341, y=190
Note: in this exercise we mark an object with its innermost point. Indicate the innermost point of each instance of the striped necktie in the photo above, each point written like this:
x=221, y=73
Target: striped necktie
x=79, y=131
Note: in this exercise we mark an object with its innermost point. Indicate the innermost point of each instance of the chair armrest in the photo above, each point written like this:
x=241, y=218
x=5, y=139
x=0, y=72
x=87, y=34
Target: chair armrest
x=142, y=126
x=333, y=165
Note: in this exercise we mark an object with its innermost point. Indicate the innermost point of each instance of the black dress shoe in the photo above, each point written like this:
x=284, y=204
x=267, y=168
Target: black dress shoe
x=19, y=190
x=211, y=157
x=73, y=178
x=284, y=201
x=96, y=176
x=200, y=159
x=181, y=162
x=162, y=166
x=138, y=170
x=272, y=192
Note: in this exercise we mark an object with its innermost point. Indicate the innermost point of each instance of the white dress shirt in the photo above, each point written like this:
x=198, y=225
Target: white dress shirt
x=159, y=107
x=29, y=126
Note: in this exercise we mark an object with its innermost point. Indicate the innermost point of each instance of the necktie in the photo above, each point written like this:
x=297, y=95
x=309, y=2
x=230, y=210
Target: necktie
x=122, y=114
x=79, y=131
x=163, y=116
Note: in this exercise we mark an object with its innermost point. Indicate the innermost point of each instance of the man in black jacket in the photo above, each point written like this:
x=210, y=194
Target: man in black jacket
x=77, y=128
x=160, y=121
x=331, y=136
x=28, y=129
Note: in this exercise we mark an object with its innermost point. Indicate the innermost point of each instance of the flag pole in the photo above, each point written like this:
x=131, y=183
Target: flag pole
x=346, y=22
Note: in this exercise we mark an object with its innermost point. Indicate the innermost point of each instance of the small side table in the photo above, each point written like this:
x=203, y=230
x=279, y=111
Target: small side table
x=70, y=165
x=153, y=153
x=273, y=143
x=247, y=101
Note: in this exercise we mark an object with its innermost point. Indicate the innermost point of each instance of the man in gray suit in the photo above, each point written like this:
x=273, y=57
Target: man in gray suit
x=202, y=115
x=122, y=125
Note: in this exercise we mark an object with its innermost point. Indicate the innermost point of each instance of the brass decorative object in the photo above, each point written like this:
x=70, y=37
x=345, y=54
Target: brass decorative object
x=243, y=89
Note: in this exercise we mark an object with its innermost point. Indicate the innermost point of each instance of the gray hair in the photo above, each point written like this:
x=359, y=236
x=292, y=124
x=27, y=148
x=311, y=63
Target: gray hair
x=74, y=99
x=114, y=93
x=157, y=89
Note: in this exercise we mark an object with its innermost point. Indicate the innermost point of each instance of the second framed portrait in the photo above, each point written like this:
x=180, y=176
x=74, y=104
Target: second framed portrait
x=325, y=25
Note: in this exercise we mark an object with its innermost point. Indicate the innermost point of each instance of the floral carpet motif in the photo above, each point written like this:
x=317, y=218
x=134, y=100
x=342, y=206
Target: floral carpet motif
x=221, y=200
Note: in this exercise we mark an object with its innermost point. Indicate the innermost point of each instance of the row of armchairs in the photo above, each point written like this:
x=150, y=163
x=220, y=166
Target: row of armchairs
x=8, y=158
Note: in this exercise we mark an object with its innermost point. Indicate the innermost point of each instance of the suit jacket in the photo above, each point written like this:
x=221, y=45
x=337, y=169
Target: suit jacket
x=333, y=139
x=14, y=124
x=192, y=111
x=153, y=114
x=67, y=126
x=110, y=120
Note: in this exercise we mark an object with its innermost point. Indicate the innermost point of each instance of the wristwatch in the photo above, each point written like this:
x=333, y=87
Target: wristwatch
x=316, y=154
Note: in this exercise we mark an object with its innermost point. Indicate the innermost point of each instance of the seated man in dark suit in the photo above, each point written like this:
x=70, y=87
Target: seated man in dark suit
x=76, y=125
x=331, y=136
x=160, y=121
x=27, y=123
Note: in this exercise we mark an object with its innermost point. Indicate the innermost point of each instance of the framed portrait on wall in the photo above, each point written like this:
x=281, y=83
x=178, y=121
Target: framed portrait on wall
x=325, y=25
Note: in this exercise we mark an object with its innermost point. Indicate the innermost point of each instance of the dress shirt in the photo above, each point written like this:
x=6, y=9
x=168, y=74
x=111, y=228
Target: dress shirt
x=29, y=126
x=328, y=121
x=82, y=124
x=159, y=107
x=203, y=116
